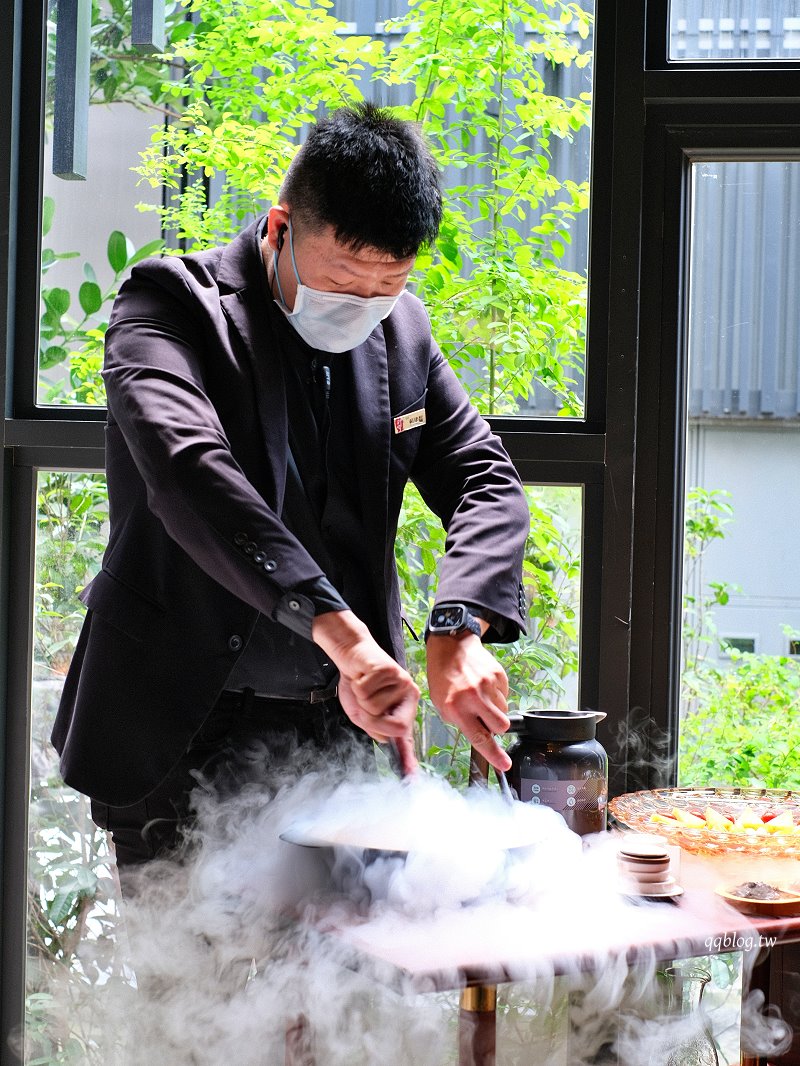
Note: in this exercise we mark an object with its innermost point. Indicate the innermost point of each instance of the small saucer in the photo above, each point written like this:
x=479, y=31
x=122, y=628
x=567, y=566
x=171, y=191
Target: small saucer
x=786, y=906
x=666, y=889
x=665, y=892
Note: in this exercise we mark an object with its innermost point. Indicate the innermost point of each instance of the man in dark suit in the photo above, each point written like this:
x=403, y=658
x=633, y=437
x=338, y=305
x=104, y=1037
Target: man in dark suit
x=267, y=403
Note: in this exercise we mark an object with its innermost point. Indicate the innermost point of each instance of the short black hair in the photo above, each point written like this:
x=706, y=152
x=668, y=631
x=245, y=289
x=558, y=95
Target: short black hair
x=371, y=177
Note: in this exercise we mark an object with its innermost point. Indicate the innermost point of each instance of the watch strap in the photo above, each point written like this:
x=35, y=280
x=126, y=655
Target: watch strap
x=469, y=623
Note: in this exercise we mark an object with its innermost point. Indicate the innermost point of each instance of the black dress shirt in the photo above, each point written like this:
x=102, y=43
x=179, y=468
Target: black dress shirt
x=319, y=509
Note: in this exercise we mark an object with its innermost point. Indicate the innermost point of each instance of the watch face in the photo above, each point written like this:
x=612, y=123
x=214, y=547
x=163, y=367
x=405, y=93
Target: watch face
x=448, y=617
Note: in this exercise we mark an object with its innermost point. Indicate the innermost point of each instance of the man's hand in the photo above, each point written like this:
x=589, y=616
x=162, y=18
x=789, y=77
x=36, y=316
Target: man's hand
x=469, y=689
x=376, y=693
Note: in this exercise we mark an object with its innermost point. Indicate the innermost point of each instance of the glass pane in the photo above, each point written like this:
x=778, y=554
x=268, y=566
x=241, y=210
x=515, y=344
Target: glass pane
x=72, y=895
x=734, y=29
x=741, y=683
x=542, y=667
x=78, y=969
x=504, y=99
x=92, y=227
x=509, y=122
x=507, y=293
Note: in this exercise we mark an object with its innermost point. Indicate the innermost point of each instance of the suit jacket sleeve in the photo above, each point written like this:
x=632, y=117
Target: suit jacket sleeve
x=466, y=477
x=154, y=374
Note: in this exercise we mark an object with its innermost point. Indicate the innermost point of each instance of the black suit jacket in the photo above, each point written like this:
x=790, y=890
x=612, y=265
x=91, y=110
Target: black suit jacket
x=196, y=467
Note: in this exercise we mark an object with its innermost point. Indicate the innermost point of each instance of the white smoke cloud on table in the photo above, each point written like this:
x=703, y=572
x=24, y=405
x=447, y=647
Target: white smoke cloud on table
x=239, y=940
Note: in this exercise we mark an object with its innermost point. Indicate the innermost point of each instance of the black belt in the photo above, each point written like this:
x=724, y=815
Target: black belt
x=315, y=695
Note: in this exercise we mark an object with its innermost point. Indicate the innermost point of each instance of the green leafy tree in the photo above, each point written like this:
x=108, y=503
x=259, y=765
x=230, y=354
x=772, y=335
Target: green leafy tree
x=73, y=325
x=540, y=662
x=745, y=723
x=708, y=512
x=740, y=716
x=256, y=71
x=118, y=72
x=503, y=309
x=244, y=78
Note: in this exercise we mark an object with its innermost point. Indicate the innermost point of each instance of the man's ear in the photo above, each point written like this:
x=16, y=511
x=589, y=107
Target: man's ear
x=277, y=224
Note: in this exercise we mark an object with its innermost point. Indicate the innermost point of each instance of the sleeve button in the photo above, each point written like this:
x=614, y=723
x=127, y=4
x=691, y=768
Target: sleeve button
x=294, y=605
x=270, y=565
x=235, y=642
x=240, y=539
x=250, y=547
x=259, y=558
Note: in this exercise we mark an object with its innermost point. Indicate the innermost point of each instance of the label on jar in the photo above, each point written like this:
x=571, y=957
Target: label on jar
x=564, y=796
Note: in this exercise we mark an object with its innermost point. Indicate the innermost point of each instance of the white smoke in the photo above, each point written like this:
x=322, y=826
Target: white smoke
x=249, y=937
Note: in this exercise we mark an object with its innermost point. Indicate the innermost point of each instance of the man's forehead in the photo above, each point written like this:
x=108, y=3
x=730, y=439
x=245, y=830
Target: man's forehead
x=366, y=255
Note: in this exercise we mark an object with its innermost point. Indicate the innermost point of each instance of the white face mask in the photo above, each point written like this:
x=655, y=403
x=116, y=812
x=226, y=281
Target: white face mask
x=332, y=321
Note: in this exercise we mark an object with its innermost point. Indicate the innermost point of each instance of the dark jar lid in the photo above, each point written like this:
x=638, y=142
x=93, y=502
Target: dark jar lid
x=556, y=726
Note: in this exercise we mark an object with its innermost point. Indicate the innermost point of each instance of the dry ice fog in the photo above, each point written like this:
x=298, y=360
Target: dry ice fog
x=227, y=949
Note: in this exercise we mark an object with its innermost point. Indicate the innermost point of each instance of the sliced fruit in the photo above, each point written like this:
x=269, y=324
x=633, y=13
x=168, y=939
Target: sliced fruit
x=664, y=819
x=746, y=819
x=691, y=821
x=717, y=820
x=781, y=823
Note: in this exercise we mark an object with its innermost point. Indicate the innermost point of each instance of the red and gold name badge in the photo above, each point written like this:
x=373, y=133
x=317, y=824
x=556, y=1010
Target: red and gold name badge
x=409, y=421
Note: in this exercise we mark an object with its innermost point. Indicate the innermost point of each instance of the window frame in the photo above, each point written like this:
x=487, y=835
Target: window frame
x=651, y=118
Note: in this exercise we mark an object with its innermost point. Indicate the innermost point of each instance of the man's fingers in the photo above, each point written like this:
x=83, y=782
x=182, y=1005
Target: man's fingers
x=394, y=699
x=395, y=721
x=407, y=755
x=384, y=685
x=484, y=742
x=494, y=717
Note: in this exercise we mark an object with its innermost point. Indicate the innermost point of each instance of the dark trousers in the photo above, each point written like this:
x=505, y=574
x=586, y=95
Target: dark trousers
x=227, y=753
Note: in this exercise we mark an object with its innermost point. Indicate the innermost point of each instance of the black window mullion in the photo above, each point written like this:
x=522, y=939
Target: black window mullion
x=660, y=442
x=54, y=433
x=533, y=446
x=20, y=507
x=730, y=83
x=23, y=365
x=617, y=262
x=657, y=39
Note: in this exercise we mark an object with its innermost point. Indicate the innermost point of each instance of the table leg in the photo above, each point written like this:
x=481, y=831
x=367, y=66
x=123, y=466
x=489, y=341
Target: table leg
x=477, y=1026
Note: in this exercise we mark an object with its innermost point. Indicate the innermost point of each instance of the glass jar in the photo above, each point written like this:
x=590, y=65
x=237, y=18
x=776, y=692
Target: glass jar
x=558, y=762
x=691, y=1042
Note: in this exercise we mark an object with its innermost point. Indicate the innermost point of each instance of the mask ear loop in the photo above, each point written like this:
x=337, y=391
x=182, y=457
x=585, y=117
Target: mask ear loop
x=294, y=264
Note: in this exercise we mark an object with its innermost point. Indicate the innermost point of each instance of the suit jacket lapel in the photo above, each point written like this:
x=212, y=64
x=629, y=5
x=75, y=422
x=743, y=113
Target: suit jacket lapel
x=246, y=310
x=372, y=435
x=241, y=270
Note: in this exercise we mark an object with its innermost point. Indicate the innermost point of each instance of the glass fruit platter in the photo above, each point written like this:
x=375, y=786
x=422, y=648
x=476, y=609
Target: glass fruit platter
x=746, y=821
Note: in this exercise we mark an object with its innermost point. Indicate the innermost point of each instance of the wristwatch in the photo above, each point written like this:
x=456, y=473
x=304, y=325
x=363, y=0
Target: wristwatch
x=450, y=619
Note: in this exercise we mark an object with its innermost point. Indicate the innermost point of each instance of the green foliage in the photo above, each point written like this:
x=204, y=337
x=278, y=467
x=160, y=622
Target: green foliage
x=256, y=71
x=245, y=77
x=118, y=72
x=71, y=533
x=76, y=339
x=73, y=921
x=538, y=664
x=72, y=909
x=745, y=726
x=740, y=721
x=503, y=310
x=708, y=512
